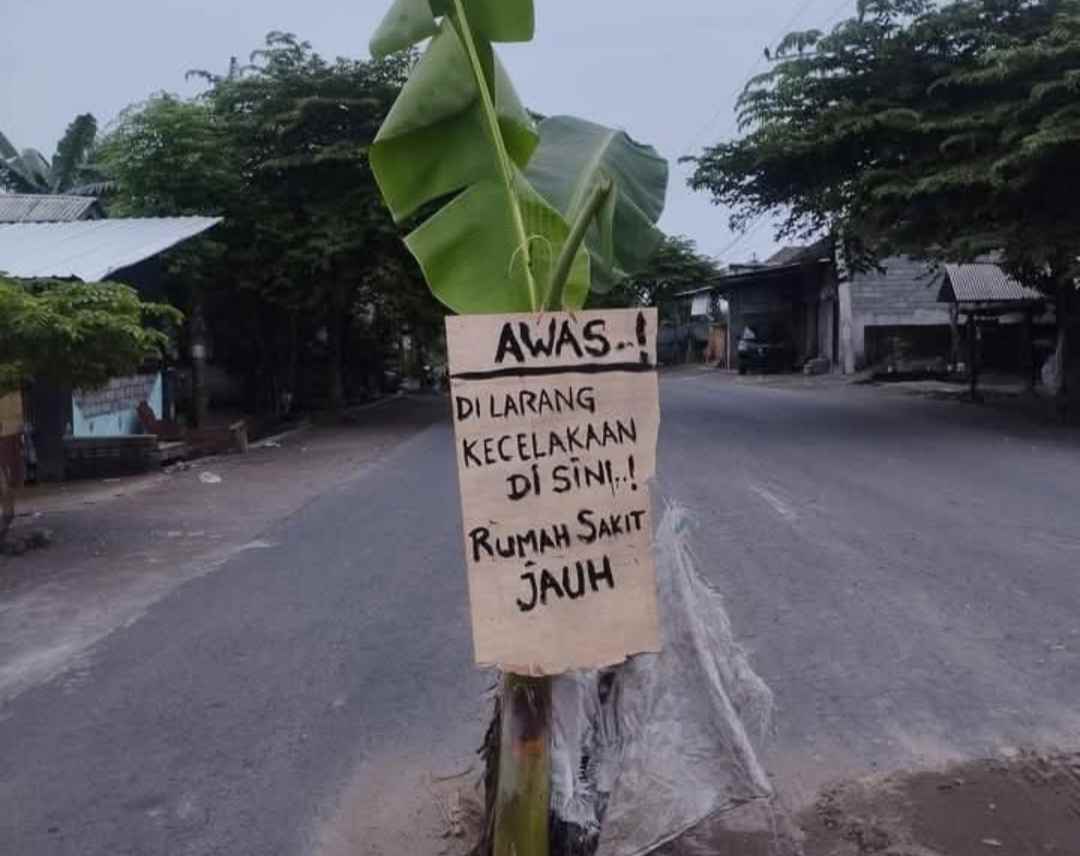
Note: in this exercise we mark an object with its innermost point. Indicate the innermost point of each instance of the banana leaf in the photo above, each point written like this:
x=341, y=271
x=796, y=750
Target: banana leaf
x=8, y=152
x=35, y=168
x=493, y=245
x=411, y=21
x=573, y=156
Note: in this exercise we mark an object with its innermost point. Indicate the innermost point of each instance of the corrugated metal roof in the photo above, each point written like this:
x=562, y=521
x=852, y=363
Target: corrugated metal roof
x=46, y=208
x=90, y=250
x=786, y=255
x=986, y=283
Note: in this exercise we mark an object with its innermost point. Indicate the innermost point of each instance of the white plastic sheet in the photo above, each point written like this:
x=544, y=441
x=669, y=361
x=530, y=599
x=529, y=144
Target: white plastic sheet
x=646, y=751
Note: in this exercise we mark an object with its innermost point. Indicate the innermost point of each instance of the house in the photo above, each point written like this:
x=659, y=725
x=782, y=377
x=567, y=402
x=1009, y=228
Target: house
x=904, y=311
x=891, y=310
x=793, y=293
x=90, y=249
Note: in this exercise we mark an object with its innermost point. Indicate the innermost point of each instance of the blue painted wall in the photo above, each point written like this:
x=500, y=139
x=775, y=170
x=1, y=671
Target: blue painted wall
x=111, y=410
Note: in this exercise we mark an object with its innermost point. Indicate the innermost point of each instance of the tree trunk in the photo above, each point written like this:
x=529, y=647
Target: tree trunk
x=291, y=363
x=335, y=333
x=1061, y=354
x=50, y=406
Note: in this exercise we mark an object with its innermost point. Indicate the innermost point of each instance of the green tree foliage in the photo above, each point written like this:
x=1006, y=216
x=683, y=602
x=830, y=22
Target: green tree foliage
x=941, y=131
x=676, y=266
x=75, y=334
x=307, y=266
x=171, y=158
x=72, y=169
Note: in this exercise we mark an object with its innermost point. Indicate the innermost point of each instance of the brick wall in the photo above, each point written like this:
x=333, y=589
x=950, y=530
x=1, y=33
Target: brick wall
x=904, y=295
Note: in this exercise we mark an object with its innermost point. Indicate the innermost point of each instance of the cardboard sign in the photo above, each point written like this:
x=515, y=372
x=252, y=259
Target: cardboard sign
x=556, y=419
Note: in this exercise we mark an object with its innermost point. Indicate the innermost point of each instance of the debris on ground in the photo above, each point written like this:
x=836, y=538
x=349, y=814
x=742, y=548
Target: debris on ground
x=207, y=477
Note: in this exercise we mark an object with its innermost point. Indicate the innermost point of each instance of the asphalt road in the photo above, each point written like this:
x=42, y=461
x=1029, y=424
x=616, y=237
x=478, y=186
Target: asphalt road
x=904, y=571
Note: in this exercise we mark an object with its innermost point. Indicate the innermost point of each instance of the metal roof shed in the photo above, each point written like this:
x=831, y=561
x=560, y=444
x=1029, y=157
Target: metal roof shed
x=47, y=208
x=91, y=250
x=983, y=291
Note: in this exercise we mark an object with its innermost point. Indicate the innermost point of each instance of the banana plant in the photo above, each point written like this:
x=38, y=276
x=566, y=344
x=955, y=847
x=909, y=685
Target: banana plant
x=70, y=171
x=526, y=216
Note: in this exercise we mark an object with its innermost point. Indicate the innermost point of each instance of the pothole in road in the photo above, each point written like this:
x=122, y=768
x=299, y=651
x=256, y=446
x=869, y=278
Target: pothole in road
x=1027, y=805
x=1022, y=806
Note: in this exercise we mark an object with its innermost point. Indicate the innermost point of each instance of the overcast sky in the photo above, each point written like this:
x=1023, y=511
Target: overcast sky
x=667, y=72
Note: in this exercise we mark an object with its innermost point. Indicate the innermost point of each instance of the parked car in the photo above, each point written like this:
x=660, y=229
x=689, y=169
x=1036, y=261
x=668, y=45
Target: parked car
x=765, y=348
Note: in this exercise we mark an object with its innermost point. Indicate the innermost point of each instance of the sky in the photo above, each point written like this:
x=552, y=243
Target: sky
x=666, y=72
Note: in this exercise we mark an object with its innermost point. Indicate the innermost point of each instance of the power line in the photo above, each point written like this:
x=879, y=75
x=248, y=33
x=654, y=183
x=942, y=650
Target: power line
x=760, y=220
x=784, y=30
x=753, y=229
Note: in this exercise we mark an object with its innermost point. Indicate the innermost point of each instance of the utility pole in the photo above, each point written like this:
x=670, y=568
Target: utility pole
x=200, y=397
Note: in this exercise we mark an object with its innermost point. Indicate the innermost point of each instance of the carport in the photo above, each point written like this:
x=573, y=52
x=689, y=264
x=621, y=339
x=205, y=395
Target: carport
x=799, y=298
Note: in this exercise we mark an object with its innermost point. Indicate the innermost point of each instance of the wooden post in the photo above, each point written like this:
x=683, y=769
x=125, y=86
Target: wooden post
x=1027, y=353
x=7, y=501
x=954, y=335
x=973, y=356
x=200, y=395
x=524, y=785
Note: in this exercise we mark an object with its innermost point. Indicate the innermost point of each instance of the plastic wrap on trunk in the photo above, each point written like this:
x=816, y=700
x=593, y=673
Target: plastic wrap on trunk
x=647, y=750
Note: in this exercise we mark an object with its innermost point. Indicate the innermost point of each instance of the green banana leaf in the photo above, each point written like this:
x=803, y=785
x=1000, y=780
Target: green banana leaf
x=411, y=21
x=573, y=157
x=8, y=152
x=36, y=169
x=493, y=246
x=434, y=141
x=474, y=262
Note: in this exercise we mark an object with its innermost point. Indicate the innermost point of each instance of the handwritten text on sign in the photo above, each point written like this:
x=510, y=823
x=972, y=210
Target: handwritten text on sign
x=556, y=418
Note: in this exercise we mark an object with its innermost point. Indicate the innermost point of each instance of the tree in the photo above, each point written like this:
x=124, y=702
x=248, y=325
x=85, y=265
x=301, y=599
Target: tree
x=72, y=334
x=170, y=157
x=71, y=169
x=75, y=334
x=307, y=262
x=944, y=132
x=676, y=266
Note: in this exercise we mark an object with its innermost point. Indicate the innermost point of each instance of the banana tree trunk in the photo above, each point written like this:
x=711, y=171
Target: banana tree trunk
x=524, y=780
